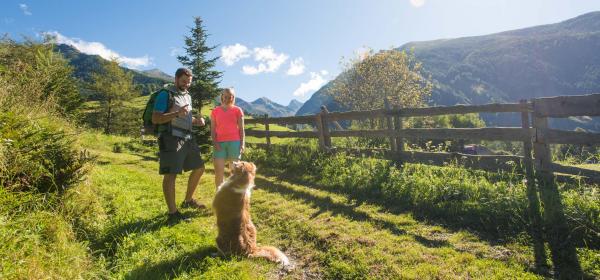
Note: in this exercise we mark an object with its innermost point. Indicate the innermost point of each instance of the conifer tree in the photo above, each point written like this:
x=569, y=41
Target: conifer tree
x=205, y=85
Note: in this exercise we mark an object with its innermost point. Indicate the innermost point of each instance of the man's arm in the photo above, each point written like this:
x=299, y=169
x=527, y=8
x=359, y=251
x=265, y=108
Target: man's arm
x=161, y=118
x=199, y=121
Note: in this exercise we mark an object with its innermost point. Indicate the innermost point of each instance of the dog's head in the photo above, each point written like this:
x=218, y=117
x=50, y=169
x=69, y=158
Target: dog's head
x=244, y=168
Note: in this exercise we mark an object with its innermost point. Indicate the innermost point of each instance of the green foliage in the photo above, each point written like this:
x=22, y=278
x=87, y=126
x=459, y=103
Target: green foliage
x=205, y=85
x=370, y=80
x=493, y=204
x=37, y=76
x=115, y=87
x=38, y=155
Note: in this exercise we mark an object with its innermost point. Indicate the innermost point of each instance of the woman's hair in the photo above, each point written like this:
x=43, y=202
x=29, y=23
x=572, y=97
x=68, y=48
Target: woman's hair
x=229, y=92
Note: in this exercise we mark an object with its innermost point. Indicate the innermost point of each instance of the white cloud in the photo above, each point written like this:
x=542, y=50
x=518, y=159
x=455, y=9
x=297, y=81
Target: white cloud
x=268, y=61
x=233, y=53
x=25, y=9
x=296, y=67
x=417, y=3
x=316, y=82
x=97, y=48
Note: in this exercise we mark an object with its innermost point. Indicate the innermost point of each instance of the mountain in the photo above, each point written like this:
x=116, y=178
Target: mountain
x=263, y=106
x=156, y=73
x=84, y=65
x=295, y=105
x=547, y=60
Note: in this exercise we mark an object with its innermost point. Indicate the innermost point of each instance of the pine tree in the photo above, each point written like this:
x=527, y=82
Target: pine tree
x=205, y=85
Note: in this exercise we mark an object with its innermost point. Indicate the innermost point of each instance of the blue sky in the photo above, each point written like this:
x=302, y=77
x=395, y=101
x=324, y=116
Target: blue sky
x=278, y=49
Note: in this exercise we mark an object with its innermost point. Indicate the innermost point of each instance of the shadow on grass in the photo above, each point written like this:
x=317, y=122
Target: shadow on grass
x=109, y=242
x=171, y=268
x=326, y=204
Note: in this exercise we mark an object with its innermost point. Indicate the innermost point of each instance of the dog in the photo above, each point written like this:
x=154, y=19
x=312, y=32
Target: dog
x=237, y=233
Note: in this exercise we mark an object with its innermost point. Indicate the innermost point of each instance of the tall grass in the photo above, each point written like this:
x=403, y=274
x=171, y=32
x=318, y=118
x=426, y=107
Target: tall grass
x=495, y=205
x=40, y=161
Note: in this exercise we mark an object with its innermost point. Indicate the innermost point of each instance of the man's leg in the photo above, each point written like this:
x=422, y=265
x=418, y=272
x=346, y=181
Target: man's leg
x=219, y=164
x=169, y=191
x=193, y=182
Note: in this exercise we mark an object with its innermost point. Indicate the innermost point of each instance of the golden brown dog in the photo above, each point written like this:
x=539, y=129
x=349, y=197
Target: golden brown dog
x=237, y=234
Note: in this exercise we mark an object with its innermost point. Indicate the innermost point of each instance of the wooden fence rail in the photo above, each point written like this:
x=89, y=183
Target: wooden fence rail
x=535, y=138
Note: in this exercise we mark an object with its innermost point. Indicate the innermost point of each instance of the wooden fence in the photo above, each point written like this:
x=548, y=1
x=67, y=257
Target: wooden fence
x=534, y=133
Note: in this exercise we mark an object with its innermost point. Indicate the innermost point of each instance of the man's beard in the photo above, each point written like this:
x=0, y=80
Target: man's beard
x=182, y=88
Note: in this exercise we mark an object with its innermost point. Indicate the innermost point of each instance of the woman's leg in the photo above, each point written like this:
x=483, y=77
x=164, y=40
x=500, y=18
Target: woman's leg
x=219, y=164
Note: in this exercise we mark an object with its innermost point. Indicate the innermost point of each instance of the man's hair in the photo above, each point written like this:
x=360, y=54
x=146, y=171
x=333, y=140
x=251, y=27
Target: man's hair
x=183, y=71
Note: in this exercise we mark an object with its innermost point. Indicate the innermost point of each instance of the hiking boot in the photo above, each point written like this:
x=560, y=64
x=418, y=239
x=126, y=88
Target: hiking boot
x=194, y=203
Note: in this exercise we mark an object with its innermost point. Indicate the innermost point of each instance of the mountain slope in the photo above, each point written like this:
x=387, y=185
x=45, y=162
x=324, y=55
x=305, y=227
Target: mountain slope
x=547, y=60
x=84, y=65
x=264, y=105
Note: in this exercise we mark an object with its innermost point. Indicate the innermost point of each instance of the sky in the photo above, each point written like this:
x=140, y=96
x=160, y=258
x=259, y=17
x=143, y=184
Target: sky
x=281, y=50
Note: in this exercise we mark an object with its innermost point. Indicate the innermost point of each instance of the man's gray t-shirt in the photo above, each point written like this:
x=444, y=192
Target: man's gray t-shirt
x=182, y=126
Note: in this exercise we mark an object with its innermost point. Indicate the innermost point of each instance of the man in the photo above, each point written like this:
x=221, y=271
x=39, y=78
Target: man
x=178, y=150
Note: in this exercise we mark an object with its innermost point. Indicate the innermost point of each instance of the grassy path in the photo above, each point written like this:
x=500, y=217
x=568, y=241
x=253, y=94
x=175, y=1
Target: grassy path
x=326, y=235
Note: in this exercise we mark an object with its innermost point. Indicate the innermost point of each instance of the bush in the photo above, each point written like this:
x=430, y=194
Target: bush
x=38, y=155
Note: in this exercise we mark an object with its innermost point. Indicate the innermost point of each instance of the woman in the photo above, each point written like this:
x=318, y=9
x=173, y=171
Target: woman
x=227, y=132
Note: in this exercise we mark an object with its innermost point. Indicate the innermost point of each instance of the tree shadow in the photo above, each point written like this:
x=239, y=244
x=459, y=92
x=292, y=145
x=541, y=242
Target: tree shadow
x=168, y=269
x=109, y=242
x=490, y=234
x=326, y=204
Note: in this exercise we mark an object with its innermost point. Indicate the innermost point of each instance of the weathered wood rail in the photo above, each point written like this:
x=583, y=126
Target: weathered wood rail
x=535, y=136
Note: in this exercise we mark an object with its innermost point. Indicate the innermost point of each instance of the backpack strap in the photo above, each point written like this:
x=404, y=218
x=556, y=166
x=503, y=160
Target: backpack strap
x=166, y=127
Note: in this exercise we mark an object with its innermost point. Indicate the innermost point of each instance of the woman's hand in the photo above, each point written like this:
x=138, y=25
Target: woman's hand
x=217, y=146
x=242, y=149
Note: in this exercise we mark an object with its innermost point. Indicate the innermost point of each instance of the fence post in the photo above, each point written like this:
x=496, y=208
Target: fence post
x=319, y=125
x=564, y=255
x=535, y=217
x=325, y=127
x=390, y=126
x=267, y=133
x=398, y=125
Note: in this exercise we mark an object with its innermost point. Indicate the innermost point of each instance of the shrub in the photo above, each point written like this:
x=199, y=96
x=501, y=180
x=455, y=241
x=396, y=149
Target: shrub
x=38, y=154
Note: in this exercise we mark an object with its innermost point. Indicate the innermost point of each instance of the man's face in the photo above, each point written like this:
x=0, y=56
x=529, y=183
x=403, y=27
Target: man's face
x=183, y=82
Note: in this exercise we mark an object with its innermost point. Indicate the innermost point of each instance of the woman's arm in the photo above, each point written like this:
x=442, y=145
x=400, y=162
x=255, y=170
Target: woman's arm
x=242, y=133
x=213, y=132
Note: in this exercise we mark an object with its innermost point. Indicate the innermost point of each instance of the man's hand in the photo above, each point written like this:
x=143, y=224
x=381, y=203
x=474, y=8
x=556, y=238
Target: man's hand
x=183, y=111
x=198, y=121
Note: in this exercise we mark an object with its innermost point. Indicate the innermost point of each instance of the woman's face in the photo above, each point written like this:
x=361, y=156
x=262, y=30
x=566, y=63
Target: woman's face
x=227, y=98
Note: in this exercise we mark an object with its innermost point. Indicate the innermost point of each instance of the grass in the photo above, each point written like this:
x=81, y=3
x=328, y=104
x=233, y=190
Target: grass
x=113, y=225
x=326, y=234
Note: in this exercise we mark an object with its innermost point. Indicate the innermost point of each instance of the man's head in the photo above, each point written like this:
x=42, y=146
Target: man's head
x=228, y=97
x=183, y=79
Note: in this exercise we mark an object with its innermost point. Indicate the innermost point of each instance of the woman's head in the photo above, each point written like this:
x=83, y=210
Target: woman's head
x=228, y=97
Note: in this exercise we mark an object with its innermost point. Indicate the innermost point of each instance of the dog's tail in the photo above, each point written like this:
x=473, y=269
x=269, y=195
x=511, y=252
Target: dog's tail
x=272, y=254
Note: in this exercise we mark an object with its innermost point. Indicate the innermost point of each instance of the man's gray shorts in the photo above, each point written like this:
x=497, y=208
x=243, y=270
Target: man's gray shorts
x=177, y=154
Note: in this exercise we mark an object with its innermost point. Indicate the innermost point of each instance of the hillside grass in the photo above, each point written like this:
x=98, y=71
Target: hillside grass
x=326, y=234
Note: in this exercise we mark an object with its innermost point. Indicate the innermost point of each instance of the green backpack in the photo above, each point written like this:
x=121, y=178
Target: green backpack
x=150, y=128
